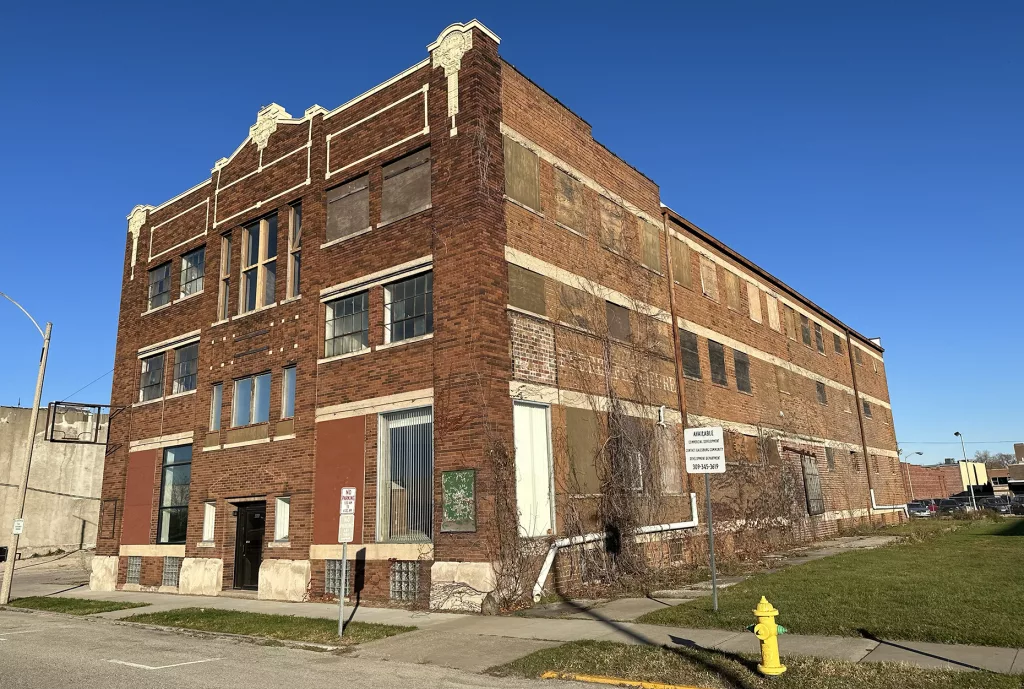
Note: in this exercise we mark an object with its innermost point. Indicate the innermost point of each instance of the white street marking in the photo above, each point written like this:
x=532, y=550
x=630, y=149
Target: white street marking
x=161, y=667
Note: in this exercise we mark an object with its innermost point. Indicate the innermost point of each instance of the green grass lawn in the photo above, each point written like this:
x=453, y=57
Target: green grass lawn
x=71, y=606
x=950, y=587
x=727, y=671
x=281, y=627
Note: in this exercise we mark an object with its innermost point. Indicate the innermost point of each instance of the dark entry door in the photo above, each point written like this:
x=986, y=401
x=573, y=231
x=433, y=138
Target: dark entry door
x=252, y=519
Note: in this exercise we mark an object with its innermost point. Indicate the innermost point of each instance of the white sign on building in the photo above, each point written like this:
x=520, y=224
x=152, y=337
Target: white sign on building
x=705, y=450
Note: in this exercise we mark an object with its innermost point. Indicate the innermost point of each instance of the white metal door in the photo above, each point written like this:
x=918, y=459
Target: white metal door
x=533, y=468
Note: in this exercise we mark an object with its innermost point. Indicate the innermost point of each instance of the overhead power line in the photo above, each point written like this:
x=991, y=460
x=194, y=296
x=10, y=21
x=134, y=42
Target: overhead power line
x=68, y=397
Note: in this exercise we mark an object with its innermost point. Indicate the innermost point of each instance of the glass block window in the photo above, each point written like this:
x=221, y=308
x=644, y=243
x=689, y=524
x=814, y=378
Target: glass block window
x=172, y=570
x=333, y=584
x=193, y=270
x=186, y=366
x=160, y=285
x=409, y=307
x=348, y=325
x=134, y=569
x=405, y=581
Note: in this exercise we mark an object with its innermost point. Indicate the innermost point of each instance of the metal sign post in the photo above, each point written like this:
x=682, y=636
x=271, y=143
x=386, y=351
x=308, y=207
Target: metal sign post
x=346, y=530
x=705, y=454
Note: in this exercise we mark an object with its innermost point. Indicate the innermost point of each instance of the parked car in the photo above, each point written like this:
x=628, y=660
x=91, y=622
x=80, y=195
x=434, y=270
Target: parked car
x=921, y=508
x=1000, y=505
x=948, y=506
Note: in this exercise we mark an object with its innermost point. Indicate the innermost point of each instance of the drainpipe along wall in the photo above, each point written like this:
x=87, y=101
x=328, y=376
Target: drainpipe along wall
x=860, y=420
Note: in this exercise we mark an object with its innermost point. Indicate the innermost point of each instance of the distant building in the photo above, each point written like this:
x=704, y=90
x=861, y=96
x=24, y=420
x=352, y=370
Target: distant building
x=943, y=480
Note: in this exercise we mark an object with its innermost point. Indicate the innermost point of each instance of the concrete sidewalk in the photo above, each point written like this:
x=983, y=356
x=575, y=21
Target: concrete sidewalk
x=471, y=642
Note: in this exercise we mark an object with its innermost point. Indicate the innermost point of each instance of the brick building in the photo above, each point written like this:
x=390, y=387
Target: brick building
x=395, y=294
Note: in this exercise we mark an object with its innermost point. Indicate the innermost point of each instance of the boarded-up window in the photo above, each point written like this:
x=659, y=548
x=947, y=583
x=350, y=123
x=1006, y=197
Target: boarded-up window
x=822, y=394
x=526, y=289
x=406, y=187
x=740, y=448
x=732, y=290
x=754, y=301
x=709, y=278
x=742, y=365
x=522, y=174
x=790, y=322
x=681, y=263
x=569, y=205
x=830, y=458
x=581, y=429
x=782, y=380
x=867, y=409
x=773, y=312
x=611, y=224
x=575, y=307
x=668, y=457
x=812, y=485
x=629, y=446
x=651, y=246
x=348, y=208
x=691, y=358
x=618, y=321
x=819, y=340
x=857, y=357
x=805, y=329
x=716, y=355
x=837, y=343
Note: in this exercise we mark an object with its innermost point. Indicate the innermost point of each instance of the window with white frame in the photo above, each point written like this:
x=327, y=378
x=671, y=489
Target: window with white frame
x=259, y=264
x=288, y=392
x=186, y=368
x=405, y=475
x=151, y=385
x=175, y=489
x=409, y=307
x=282, y=511
x=294, y=250
x=209, y=521
x=251, y=403
x=193, y=269
x=216, y=400
x=159, y=286
x=347, y=325
x=225, y=278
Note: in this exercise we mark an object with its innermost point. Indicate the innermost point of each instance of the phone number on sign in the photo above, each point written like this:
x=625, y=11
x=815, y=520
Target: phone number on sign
x=701, y=466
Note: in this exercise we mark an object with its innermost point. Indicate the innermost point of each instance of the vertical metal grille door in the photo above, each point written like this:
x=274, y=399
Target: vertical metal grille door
x=333, y=585
x=134, y=569
x=405, y=581
x=172, y=568
x=405, y=466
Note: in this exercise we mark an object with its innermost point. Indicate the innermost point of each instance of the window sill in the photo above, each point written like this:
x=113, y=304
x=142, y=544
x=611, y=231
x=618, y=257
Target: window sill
x=254, y=311
x=258, y=441
x=158, y=308
x=526, y=312
x=216, y=323
x=522, y=205
x=289, y=436
x=708, y=297
x=180, y=394
x=403, y=217
x=695, y=378
x=749, y=393
x=577, y=328
x=339, y=240
x=289, y=300
x=339, y=357
x=410, y=340
x=279, y=544
x=152, y=401
x=652, y=270
x=569, y=229
x=206, y=544
x=186, y=297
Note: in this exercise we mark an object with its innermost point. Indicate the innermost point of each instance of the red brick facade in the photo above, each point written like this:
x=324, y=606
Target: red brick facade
x=482, y=350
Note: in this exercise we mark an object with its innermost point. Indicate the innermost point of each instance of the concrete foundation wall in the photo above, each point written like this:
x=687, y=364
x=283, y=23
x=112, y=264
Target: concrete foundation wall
x=62, y=506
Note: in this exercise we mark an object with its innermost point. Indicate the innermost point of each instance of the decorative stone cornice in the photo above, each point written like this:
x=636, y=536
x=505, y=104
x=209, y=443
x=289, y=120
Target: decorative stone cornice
x=447, y=52
x=266, y=124
x=136, y=219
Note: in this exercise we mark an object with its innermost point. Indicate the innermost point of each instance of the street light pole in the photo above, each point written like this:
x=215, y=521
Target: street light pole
x=12, y=550
x=910, y=480
x=970, y=481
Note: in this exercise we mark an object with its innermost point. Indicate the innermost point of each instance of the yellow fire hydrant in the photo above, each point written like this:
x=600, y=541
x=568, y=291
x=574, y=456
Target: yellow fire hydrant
x=767, y=631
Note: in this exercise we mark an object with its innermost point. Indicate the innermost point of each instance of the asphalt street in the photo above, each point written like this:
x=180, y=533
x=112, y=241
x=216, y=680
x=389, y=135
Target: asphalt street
x=42, y=651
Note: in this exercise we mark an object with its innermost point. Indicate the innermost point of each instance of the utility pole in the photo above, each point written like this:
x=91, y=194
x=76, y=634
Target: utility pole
x=967, y=471
x=12, y=550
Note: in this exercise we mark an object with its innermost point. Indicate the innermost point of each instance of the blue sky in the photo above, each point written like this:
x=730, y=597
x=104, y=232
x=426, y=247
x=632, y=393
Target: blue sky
x=869, y=154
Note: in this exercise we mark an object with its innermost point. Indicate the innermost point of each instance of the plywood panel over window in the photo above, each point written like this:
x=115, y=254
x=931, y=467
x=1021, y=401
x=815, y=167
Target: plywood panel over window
x=522, y=174
x=782, y=380
x=582, y=437
x=772, y=305
x=406, y=187
x=348, y=208
x=611, y=224
x=709, y=278
x=526, y=290
x=681, y=263
x=754, y=300
x=651, y=255
x=790, y=322
x=618, y=321
x=570, y=208
x=576, y=307
x=812, y=485
x=732, y=290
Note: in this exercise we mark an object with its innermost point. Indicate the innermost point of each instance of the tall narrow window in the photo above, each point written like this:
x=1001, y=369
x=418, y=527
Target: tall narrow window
x=193, y=270
x=348, y=208
x=857, y=356
x=348, y=325
x=259, y=264
x=732, y=290
x=570, y=209
x=772, y=303
x=223, y=298
x=251, y=400
x=282, y=515
x=175, y=487
x=805, y=329
x=409, y=308
x=406, y=187
x=611, y=225
x=160, y=286
x=288, y=392
x=754, y=302
x=837, y=343
x=867, y=409
x=790, y=322
x=681, y=263
x=151, y=386
x=822, y=393
x=209, y=521
x=186, y=366
x=294, y=250
x=405, y=470
x=709, y=278
x=651, y=255
x=526, y=290
x=216, y=401
x=716, y=355
x=742, y=365
x=522, y=174
x=819, y=339
x=782, y=380
x=691, y=357
x=618, y=322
